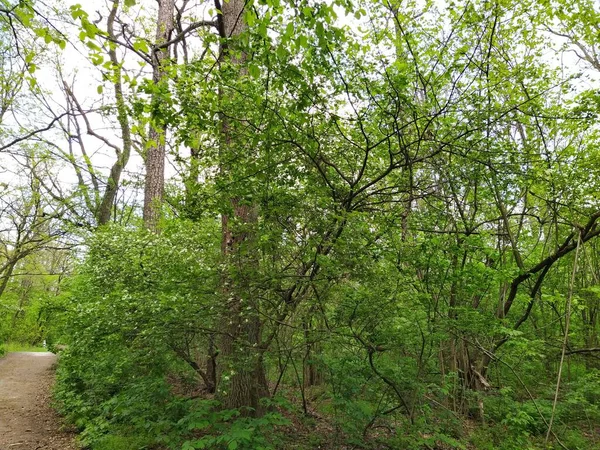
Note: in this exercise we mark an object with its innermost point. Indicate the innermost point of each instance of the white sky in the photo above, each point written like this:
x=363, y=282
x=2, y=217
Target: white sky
x=87, y=77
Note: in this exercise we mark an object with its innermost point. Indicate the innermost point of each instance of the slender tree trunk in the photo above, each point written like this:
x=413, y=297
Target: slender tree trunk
x=112, y=185
x=211, y=364
x=191, y=208
x=155, y=156
x=313, y=376
x=25, y=288
x=8, y=271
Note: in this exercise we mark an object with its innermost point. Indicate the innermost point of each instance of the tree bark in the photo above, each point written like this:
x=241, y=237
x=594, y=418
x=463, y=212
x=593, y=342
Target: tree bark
x=243, y=380
x=155, y=156
x=112, y=184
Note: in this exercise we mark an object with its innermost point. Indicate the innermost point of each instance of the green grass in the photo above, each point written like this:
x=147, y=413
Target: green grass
x=21, y=347
x=117, y=442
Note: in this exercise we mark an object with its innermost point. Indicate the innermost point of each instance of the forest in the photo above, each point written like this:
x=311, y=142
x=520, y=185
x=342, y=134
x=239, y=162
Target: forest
x=306, y=224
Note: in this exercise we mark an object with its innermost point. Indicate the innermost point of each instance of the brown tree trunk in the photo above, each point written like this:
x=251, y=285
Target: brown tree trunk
x=211, y=364
x=243, y=380
x=155, y=156
x=313, y=376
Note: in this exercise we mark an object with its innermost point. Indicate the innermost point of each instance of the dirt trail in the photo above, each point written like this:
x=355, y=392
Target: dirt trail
x=27, y=422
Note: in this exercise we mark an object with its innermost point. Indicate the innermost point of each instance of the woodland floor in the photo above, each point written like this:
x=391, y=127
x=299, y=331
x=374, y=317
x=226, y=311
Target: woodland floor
x=27, y=421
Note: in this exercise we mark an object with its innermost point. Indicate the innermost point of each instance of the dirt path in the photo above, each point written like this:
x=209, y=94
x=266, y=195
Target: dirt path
x=27, y=422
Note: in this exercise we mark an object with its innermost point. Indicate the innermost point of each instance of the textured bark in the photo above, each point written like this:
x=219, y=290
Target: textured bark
x=241, y=369
x=155, y=156
x=112, y=185
x=242, y=374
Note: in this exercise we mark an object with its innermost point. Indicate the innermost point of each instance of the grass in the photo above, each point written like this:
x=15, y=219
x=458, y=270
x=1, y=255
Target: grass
x=117, y=442
x=22, y=347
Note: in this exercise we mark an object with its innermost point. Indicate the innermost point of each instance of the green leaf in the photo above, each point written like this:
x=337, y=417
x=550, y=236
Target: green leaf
x=97, y=59
x=140, y=45
x=289, y=29
x=282, y=52
x=93, y=46
x=253, y=70
x=302, y=41
x=77, y=12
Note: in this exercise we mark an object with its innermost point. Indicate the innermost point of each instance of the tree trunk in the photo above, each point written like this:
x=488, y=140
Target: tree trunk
x=112, y=184
x=7, y=273
x=25, y=290
x=243, y=380
x=313, y=375
x=191, y=204
x=155, y=156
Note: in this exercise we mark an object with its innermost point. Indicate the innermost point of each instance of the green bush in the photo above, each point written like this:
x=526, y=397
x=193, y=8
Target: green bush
x=118, y=442
x=575, y=439
x=136, y=298
x=499, y=437
x=225, y=429
x=581, y=400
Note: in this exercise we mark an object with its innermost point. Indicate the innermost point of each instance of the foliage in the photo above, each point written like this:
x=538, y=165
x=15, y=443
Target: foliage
x=124, y=324
x=223, y=429
x=385, y=213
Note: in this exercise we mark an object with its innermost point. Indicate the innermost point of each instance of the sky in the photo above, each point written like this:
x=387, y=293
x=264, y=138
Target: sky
x=85, y=78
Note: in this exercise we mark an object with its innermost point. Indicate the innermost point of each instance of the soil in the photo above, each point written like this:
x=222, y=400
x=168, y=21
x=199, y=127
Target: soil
x=27, y=420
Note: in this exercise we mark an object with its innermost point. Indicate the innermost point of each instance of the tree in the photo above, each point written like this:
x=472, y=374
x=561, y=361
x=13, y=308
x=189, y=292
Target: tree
x=242, y=364
x=155, y=153
x=28, y=231
x=112, y=184
x=391, y=209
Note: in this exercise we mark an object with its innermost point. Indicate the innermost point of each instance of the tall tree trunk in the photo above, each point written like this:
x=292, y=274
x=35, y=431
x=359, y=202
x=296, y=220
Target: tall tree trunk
x=243, y=379
x=112, y=184
x=155, y=156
